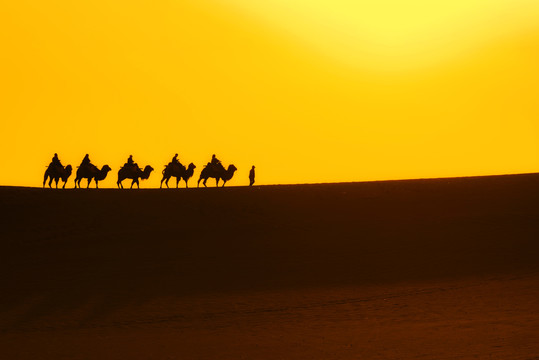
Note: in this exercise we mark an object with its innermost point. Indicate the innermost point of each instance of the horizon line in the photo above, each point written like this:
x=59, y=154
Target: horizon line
x=285, y=184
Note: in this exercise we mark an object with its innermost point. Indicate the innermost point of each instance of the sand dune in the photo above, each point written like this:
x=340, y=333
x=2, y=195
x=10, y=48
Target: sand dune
x=444, y=268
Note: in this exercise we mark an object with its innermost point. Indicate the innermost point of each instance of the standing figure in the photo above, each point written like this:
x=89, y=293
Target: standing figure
x=252, y=176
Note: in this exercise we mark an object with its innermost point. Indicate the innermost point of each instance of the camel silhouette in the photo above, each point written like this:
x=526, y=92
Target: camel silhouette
x=218, y=172
x=133, y=172
x=179, y=172
x=90, y=171
x=57, y=172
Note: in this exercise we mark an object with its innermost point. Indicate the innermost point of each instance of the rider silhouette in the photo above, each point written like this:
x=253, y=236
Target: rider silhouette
x=130, y=161
x=252, y=176
x=214, y=160
x=175, y=159
x=55, y=161
x=85, y=161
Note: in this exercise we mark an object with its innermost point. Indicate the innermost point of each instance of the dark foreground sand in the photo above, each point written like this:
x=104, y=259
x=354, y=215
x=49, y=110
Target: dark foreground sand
x=425, y=269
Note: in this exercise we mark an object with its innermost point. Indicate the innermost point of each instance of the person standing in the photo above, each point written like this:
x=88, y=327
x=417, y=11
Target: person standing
x=252, y=176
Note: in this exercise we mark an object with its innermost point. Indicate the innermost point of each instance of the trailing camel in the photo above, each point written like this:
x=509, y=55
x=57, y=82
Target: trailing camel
x=57, y=172
x=90, y=171
x=218, y=172
x=179, y=172
x=133, y=172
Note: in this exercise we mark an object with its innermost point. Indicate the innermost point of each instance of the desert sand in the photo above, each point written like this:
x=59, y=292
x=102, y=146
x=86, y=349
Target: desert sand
x=418, y=269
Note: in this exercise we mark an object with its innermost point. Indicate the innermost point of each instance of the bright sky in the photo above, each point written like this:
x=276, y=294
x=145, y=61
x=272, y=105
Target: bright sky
x=308, y=91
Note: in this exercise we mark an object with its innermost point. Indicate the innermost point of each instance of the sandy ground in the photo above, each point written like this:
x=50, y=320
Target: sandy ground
x=424, y=269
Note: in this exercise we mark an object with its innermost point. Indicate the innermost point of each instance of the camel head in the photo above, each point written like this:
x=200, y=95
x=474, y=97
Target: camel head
x=231, y=168
x=67, y=173
x=191, y=166
x=147, y=171
x=105, y=169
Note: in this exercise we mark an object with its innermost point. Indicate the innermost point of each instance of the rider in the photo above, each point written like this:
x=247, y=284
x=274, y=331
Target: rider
x=175, y=159
x=130, y=161
x=85, y=161
x=214, y=160
x=55, y=161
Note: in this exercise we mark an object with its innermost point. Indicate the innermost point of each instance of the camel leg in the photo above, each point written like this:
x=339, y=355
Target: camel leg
x=186, y=186
x=65, y=182
x=163, y=179
x=89, y=182
x=50, y=182
x=56, y=181
x=224, y=182
x=216, y=182
x=45, y=179
x=96, y=186
x=177, y=182
x=204, y=182
x=119, y=183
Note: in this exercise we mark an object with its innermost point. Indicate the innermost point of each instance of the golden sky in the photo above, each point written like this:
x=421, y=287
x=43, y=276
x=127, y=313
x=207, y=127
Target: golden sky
x=308, y=91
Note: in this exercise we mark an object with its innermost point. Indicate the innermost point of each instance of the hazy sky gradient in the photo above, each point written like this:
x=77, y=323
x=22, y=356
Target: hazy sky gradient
x=308, y=91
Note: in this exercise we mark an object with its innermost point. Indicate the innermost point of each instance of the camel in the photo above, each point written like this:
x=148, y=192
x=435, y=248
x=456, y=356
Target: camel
x=218, y=172
x=179, y=172
x=57, y=172
x=133, y=172
x=90, y=172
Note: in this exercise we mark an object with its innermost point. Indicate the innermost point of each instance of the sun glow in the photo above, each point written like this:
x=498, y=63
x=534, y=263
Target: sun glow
x=389, y=34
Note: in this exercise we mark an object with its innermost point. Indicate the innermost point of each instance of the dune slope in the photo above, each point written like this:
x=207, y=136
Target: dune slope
x=444, y=268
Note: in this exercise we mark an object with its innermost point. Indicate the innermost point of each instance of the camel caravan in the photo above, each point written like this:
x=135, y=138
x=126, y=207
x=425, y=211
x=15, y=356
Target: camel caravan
x=131, y=170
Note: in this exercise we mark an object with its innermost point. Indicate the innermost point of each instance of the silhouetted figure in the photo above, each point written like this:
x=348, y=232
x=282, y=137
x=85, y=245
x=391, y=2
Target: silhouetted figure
x=175, y=159
x=56, y=161
x=90, y=171
x=214, y=160
x=133, y=172
x=179, y=172
x=55, y=171
x=252, y=176
x=130, y=161
x=85, y=161
x=218, y=172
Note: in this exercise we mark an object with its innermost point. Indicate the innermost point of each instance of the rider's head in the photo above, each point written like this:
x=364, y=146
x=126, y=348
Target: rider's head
x=55, y=154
